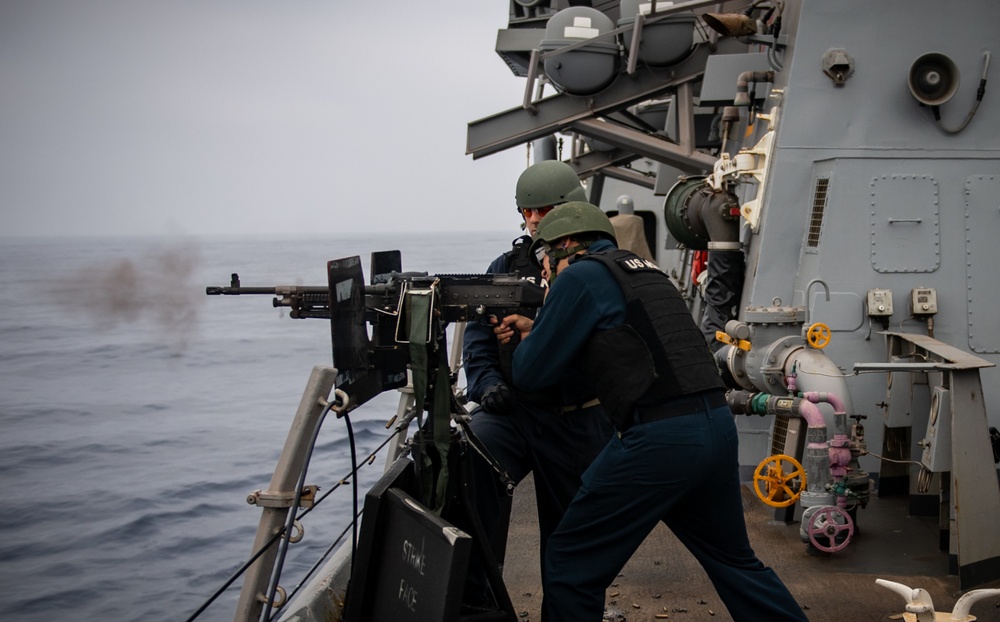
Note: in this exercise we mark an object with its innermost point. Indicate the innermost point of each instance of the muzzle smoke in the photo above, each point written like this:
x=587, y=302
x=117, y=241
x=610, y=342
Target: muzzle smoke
x=157, y=287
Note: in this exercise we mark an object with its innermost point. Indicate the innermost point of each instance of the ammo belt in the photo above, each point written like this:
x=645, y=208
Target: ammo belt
x=679, y=406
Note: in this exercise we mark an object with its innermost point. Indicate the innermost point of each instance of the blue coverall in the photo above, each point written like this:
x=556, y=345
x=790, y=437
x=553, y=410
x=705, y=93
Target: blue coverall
x=554, y=445
x=682, y=470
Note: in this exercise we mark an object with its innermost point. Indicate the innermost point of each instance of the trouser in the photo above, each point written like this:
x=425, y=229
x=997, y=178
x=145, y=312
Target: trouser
x=684, y=471
x=722, y=292
x=556, y=448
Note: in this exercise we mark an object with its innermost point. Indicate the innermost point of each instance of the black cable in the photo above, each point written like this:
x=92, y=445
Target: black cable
x=354, y=522
x=354, y=489
x=235, y=576
x=319, y=562
x=352, y=474
x=354, y=471
x=357, y=513
x=975, y=106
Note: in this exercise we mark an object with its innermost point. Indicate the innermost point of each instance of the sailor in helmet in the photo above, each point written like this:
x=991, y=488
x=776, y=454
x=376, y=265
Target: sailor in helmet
x=553, y=433
x=618, y=318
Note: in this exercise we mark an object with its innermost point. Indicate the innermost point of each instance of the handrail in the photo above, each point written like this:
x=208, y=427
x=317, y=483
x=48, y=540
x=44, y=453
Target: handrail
x=286, y=474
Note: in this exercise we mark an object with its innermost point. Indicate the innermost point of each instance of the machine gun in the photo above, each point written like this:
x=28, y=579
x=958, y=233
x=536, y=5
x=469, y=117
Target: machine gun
x=463, y=297
x=368, y=365
x=406, y=314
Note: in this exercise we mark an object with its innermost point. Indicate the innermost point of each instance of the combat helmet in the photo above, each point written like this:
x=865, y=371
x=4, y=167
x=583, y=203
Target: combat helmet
x=548, y=183
x=573, y=218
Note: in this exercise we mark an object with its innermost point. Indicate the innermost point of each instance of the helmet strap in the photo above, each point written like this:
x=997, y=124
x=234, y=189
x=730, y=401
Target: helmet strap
x=558, y=254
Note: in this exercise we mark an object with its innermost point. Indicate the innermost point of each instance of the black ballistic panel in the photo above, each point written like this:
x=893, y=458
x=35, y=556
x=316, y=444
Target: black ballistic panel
x=420, y=561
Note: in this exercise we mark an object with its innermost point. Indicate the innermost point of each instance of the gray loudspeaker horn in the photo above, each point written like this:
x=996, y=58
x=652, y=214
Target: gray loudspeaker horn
x=933, y=79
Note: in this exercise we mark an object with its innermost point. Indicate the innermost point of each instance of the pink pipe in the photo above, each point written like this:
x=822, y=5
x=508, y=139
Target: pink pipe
x=830, y=398
x=840, y=453
x=813, y=417
x=839, y=450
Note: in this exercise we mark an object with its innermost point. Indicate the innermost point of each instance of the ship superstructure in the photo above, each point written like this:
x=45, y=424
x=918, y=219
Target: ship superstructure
x=821, y=179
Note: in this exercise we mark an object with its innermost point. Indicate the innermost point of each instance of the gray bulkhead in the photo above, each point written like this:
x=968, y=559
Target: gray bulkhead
x=865, y=191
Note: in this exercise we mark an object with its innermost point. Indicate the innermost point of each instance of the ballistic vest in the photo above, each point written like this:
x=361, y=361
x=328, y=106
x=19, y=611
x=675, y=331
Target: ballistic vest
x=519, y=261
x=658, y=354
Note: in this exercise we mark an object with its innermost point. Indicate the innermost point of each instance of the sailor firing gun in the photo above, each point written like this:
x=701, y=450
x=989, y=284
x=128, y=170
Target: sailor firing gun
x=394, y=327
x=400, y=307
x=462, y=297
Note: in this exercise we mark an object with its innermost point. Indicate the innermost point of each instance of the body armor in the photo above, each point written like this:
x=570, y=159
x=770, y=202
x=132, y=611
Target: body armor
x=658, y=354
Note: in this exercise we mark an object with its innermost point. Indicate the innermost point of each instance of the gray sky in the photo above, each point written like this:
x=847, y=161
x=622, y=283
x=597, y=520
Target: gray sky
x=201, y=117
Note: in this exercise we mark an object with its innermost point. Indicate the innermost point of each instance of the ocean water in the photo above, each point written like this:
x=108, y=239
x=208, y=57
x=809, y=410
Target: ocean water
x=137, y=413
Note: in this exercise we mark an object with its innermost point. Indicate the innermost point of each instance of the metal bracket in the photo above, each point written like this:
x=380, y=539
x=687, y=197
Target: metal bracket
x=272, y=499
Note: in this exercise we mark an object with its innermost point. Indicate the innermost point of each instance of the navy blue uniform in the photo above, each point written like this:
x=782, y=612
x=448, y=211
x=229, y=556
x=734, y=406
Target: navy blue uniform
x=682, y=469
x=546, y=433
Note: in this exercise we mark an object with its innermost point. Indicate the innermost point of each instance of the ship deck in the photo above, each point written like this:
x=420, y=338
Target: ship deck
x=664, y=578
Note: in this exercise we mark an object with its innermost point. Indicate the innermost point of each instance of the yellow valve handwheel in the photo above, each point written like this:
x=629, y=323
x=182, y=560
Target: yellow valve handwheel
x=818, y=335
x=779, y=481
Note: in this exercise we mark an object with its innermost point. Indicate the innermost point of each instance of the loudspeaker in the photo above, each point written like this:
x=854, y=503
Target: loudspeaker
x=933, y=79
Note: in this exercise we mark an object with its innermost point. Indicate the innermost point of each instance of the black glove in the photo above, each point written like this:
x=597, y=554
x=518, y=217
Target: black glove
x=498, y=399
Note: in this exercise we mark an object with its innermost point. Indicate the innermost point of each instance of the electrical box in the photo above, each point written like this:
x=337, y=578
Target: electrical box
x=923, y=301
x=879, y=302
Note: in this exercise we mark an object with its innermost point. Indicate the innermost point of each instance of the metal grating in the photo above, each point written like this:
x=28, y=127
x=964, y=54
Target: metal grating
x=816, y=220
x=779, y=435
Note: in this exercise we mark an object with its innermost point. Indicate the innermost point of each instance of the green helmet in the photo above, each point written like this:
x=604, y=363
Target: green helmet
x=573, y=218
x=549, y=182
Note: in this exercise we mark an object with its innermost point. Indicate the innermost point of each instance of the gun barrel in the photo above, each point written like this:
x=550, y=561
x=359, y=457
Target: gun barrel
x=277, y=290
x=238, y=291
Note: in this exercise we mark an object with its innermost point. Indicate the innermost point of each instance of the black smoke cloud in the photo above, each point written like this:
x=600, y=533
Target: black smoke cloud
x=156, y=287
